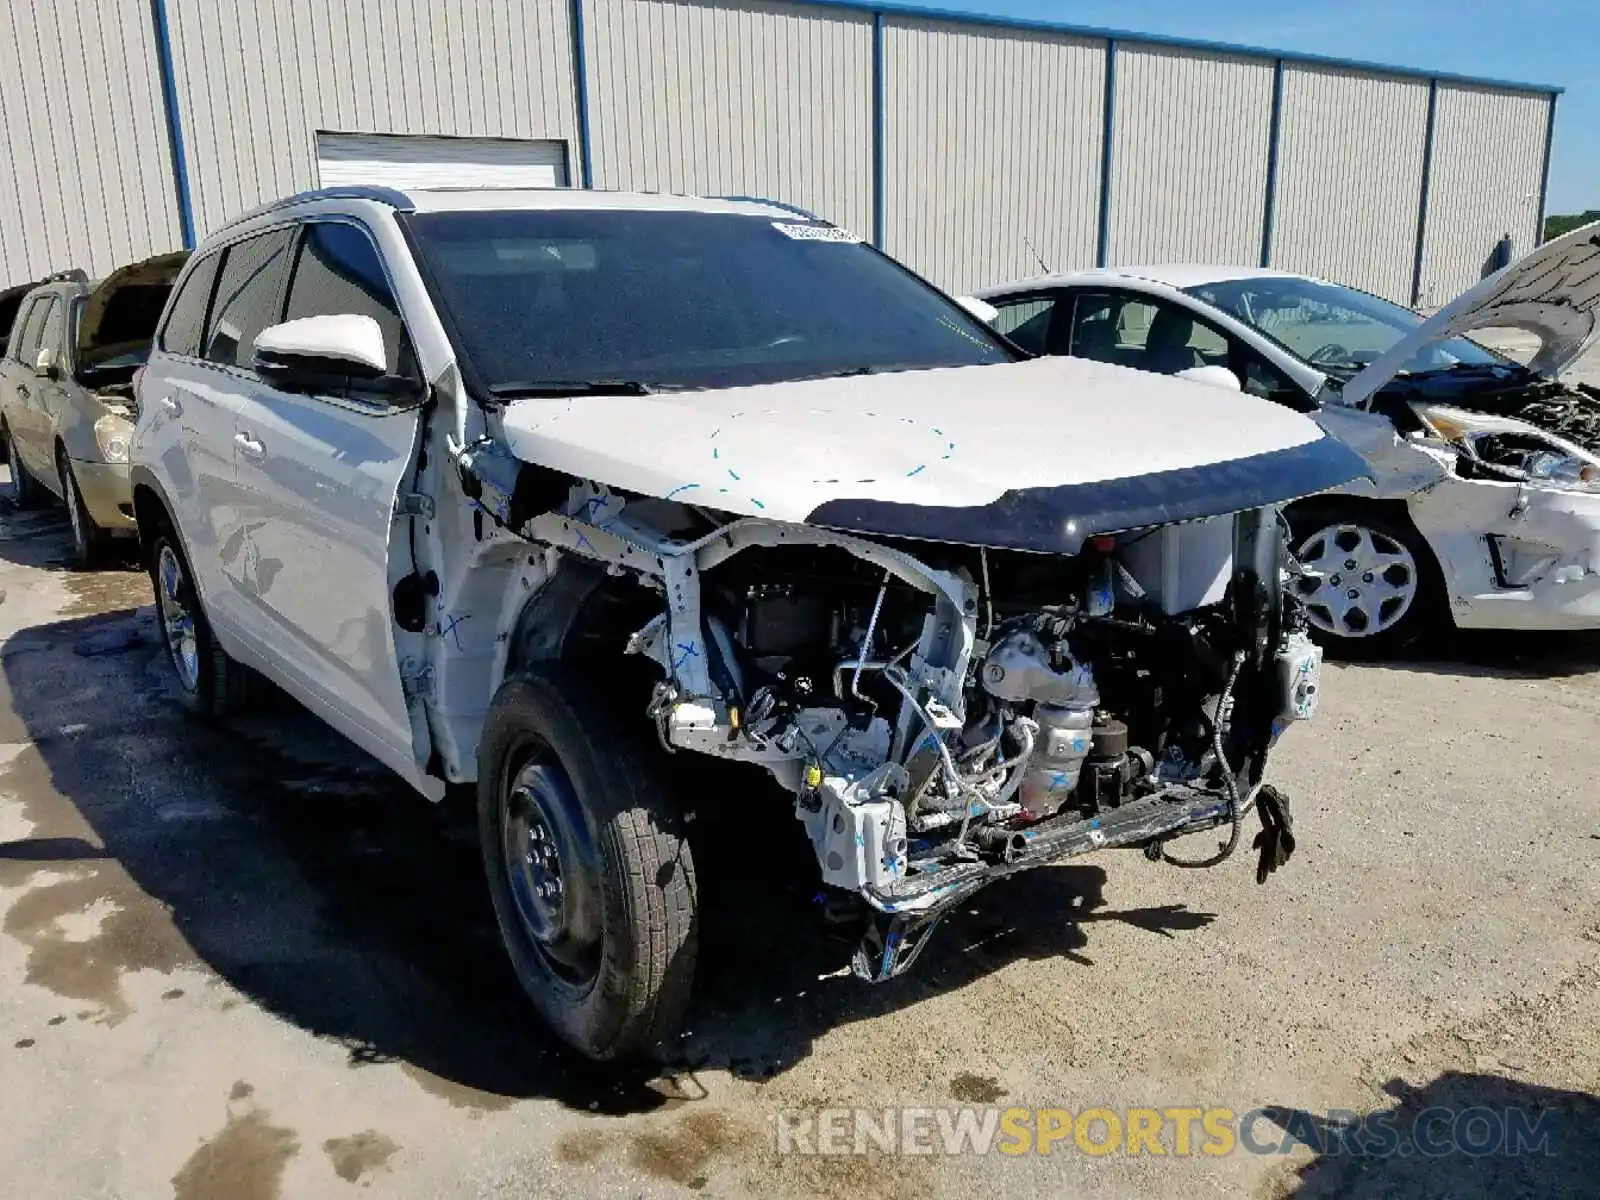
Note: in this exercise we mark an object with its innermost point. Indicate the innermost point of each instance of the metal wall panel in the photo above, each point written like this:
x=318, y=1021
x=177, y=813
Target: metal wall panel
x=88, y=179
x=1488, y=159
x=734, y=98
x=257, y=78
x=1189, y=156
x=992, y=142
x=1350, y=177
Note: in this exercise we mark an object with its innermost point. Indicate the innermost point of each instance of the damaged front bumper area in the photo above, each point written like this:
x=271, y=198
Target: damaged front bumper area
x=945, y=716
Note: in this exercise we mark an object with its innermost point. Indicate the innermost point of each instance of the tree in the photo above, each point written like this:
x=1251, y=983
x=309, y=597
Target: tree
x=1555, y=226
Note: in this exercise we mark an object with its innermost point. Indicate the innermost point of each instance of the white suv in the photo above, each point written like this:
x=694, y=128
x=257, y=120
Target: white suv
x=523, y=489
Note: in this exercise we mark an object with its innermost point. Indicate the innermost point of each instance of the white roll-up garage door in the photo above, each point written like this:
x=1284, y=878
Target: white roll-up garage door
x=400, y=161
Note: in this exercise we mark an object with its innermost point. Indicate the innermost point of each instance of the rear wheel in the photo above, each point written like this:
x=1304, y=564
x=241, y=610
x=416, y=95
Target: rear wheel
x=1375, y=586
x=25, y=490
x=89, y=541
x=591, y=876
x=210, y=684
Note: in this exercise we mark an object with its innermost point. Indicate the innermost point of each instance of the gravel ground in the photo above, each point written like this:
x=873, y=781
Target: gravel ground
x=241, y=962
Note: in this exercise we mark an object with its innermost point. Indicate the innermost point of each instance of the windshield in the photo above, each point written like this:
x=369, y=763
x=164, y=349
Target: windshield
x=1337, y=330
x=540, y=299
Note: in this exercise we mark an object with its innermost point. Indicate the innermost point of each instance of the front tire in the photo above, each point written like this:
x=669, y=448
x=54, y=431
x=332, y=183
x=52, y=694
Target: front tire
x=90, y=543
x=1378, y=587
x=210, y=684
x=591, y=875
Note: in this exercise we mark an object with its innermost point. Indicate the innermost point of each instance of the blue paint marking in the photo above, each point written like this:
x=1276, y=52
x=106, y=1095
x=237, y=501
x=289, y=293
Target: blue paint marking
x=583, y=541
x=861, y=839
x=756, y=502
x=732, y=474
x=687, y=651
x=716, y=452
x=917, y=470
x=450, y=629
x=682, y=487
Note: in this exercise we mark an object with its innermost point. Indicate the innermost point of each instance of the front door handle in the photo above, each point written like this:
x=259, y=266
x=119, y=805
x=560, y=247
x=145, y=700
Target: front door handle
x=250, y=447
x=22, y=392
x=171, y=405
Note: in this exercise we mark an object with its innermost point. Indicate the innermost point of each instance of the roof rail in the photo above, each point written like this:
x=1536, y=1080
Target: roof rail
x=794, y=208
x=70, y=275
x=354, y=191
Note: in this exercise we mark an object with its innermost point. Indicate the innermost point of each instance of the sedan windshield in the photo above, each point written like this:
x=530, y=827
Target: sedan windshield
x=543, y=302
x=1337, y=330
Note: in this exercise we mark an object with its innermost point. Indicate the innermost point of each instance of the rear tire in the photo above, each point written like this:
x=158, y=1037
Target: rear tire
x=590, y=872
x=25, y=490
x=89, y=542
x=210, y=684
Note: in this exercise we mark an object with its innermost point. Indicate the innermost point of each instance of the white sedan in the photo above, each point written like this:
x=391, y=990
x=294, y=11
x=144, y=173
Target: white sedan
x=1484, y=501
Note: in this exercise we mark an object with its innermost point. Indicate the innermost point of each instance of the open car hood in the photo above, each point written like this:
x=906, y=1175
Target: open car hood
x=1035, y=455
x=1553, y=293
x=119, y=317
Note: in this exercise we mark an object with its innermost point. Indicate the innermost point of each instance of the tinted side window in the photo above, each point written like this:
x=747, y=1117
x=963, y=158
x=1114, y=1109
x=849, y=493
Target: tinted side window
x=249, y=296
x=1026, y=321
x=10, y=312
x=186, y=323
x=338, y=271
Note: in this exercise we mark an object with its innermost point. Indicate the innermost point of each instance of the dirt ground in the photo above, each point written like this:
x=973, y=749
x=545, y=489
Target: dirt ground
x=242, y=962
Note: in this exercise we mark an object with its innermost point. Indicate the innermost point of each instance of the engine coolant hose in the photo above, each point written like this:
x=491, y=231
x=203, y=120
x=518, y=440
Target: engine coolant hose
x=1235, y=816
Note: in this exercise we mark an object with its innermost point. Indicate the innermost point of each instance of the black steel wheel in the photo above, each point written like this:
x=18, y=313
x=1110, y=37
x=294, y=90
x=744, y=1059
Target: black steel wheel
x=591, y=876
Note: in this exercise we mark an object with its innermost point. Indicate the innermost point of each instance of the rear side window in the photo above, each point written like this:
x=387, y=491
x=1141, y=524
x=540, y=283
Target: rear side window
x=338, y=271
x=249, y=297
x=26, y=331
x=186, y=324
x=10, y=310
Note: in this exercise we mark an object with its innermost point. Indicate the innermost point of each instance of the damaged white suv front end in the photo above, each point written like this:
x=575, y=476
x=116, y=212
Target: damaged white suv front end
x=714, y=478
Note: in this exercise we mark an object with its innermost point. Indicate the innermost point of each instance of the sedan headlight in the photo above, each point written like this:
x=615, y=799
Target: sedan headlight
x=1505, y=448
x=113, y=434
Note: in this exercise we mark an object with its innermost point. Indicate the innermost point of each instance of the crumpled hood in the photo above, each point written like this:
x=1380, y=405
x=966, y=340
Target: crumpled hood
x=1033, y=455
x=1553, y=293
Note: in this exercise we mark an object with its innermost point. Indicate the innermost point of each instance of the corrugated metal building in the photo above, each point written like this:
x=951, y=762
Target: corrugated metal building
x=972, y=148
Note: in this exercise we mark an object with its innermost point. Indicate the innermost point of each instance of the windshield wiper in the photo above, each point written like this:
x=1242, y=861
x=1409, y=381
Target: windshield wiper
x=573, y=387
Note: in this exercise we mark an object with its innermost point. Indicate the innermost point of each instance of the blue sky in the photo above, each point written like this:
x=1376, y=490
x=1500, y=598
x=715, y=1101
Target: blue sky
x=1554, y=42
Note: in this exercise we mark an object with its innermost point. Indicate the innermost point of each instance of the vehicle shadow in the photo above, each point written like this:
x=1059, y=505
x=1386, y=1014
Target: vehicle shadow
x=1495, y=654
x=1461, y=1135
x=325, y=892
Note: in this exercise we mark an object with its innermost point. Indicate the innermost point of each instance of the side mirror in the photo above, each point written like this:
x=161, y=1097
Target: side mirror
x=44, y=363
x=321, y=353
x=981, y=309
x=1213, y=377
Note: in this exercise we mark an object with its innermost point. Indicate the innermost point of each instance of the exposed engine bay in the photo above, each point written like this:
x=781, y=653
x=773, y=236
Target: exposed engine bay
x=945, y=715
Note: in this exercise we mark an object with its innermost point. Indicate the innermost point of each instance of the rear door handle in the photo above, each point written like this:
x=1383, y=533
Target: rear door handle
x=250, y=447
x=22, y=392
x=171, y=405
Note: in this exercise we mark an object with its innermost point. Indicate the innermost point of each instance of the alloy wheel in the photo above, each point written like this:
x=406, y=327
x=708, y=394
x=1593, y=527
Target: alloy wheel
x=1365, y=584
x=178, y=618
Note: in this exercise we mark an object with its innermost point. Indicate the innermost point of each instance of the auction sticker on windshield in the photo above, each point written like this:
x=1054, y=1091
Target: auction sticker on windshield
x=814, y=233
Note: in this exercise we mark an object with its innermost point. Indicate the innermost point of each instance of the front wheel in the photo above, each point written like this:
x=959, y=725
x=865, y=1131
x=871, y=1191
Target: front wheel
x=89, y=542
x=1375, y=587
x=591, y=876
